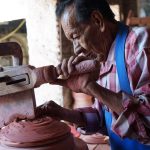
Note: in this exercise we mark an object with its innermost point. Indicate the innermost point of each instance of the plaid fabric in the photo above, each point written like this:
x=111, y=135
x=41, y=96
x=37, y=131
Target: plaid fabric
x=134, y=121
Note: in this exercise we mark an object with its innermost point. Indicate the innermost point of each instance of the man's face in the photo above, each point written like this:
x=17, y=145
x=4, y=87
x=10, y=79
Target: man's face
x=84, y=36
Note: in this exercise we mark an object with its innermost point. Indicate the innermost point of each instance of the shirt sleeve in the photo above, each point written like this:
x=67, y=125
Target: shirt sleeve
x=134, y=121
x=94, y=119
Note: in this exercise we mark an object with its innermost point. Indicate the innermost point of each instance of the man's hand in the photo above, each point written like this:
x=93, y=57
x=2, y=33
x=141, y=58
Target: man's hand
x=59, y=113
x=51, y=109
x=76, y=82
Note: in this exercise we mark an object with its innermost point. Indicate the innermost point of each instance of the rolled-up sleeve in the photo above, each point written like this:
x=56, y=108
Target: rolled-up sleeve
x=94, y=120
x=134, y=121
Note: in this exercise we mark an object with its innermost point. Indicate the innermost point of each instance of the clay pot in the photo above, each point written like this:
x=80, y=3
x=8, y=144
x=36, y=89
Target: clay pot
x=81, y=100
x=41, y=134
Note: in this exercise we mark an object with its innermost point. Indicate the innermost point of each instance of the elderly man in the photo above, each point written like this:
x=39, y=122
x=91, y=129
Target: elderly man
x=121, y=84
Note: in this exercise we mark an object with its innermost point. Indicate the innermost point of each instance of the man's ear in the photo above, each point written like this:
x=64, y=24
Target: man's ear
x=98, y=20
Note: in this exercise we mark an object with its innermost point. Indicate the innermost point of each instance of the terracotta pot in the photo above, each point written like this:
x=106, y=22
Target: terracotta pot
x=81, y=100
x=41, y=134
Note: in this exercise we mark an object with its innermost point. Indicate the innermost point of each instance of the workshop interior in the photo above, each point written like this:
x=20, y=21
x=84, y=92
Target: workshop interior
x=32, y=39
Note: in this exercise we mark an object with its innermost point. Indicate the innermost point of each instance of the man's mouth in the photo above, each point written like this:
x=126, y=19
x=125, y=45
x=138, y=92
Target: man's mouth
x=89, y=55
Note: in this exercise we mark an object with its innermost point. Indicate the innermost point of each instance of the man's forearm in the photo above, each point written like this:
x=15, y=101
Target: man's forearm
x=109, y=98
x=72, y=116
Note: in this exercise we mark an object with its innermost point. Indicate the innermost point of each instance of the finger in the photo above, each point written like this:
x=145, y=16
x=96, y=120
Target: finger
x=78, y=59
x=70, y=65
x=58, y=69
x=64, y=67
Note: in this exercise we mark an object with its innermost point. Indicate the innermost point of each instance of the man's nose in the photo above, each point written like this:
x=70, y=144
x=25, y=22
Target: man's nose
x=76, y=46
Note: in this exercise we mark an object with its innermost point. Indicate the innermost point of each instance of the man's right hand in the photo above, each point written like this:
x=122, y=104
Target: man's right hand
x=77, y=82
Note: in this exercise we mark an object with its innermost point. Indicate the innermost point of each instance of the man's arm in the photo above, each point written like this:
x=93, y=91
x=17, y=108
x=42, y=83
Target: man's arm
x=57, y=112
x=73, y=116
x=88, y=119
x=109, y=98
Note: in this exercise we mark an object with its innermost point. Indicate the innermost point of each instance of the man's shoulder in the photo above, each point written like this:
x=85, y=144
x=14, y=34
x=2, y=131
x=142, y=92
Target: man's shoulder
x=137, y=39
x=139, y=32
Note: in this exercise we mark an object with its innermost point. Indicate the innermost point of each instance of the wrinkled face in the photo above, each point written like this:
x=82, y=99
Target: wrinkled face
x=84, y=36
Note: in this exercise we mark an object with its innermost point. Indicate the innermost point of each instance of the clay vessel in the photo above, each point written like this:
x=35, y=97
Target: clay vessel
x=40, y=134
